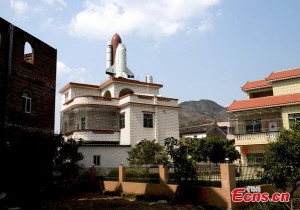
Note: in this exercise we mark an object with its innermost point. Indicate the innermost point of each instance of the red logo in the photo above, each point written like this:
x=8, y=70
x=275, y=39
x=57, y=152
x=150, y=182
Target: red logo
x=254, y=194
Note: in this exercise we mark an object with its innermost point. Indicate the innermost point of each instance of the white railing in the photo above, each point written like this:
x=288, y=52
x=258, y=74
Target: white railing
x=145, y=99
x=135, y=98
x=255, y=138
x=92, y=100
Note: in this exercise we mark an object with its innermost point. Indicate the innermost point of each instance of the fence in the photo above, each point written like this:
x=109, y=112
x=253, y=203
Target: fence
x=248, y=175
x=142, y=174
x=107, y=173
x=215, y=196
x=207, y=175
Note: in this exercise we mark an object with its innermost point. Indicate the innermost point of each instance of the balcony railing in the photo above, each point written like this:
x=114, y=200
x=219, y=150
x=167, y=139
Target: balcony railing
x=134, y=98
x=255, y=138
x=87, y=99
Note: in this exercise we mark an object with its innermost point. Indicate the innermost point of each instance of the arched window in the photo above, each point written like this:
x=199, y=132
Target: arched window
x=125, y=91
x=28, y=53
x=26, y=101
x=107, y=94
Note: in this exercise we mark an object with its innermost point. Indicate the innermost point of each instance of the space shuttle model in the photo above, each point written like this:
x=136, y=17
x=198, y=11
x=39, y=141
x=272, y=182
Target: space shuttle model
x=116, y=59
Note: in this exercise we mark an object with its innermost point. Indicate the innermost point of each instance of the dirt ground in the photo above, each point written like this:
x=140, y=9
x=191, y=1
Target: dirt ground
x=93, y=201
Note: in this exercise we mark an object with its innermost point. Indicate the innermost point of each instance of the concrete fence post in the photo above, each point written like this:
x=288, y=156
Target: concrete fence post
x=92, y=174
x=228, y=181
x=122, y=173
x=163, y=174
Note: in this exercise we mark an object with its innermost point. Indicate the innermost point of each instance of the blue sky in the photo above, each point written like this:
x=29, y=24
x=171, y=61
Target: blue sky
x=198, y=49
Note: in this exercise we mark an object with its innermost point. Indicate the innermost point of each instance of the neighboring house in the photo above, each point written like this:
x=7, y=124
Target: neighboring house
x=27, y=82
x=27, y=104
x=273, y=103
x=117, y=114
x=204, y=130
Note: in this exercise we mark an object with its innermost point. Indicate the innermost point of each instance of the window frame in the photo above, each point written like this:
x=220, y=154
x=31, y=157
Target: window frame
x=28, y=53
x=83, y=123
x=26, y=102
x=97, y=160
x=66, y=96
x=256, y=159
x=293, y=117
x=148, y=120
x=255, y=124
x=122, y=121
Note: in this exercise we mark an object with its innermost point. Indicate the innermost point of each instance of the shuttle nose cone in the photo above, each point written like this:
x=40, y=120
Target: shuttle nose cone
x=116, y=39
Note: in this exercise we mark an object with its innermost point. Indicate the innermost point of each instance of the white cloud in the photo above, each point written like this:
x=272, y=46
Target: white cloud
x=61, y=2
x=161, y=18
x=24, y=9
x=20, y=7
x=67, y=74
x=206, y=25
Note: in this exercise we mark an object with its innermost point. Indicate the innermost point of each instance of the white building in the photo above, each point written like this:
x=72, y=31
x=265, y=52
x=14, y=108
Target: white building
x=115, y=115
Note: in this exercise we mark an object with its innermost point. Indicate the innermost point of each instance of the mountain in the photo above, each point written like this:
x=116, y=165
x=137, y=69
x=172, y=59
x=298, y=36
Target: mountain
x=199, y=112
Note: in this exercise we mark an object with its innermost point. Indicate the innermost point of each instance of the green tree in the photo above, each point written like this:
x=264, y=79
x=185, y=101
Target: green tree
x=66, y=154
x=217, y=149
x=182, y=160
x=281, y=161
x=147, y=152
x=187, y=152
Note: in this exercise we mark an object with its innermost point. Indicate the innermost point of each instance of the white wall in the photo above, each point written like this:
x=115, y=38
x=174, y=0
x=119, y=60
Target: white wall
x=137, y=130
x=167, y=124
x=116, y=88
x=109, y=156
x=125, y=132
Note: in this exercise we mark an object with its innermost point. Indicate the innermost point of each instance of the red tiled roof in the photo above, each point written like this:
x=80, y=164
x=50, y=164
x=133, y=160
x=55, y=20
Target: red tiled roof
x=286, y=74
x=264, y=102
x=256, y=85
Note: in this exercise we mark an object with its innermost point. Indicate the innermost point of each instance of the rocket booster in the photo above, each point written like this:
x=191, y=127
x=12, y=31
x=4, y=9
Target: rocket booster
x=116, y=59
x=108, y=55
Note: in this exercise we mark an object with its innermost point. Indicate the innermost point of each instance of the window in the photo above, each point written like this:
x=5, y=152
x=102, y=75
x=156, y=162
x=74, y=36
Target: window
x=293, y=118
x=96, y=160
x=253, y=126
x=82, y=122
x=66, y=96
x=125, y=91
x=107, y=94
x=122, y=121
x=26, y=102
x=254, y=159
x=148, y=120
x=28, y=53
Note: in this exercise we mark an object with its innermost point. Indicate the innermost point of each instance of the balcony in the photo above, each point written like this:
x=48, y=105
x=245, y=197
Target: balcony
x=255, y=138
x=148, y=99
x=95, y=100
x=116, y=102
x=95, y=136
